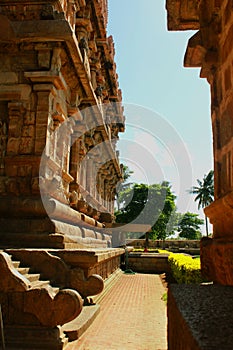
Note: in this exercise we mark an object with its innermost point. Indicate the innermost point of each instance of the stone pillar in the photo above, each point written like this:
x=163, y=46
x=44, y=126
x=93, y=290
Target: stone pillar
x=43, y=110
x=94, y=178
x=75, y=157
x=88, y=173
x=83, y=178
x=102, y=193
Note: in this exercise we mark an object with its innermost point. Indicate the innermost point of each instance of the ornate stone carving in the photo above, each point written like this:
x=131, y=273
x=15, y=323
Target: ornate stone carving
x=56, y=60
x=44, y=56
x=44, y=71
x=47, y=12
x=47, y=54
x=53, y=311
x=92, y=285
x=59, y=273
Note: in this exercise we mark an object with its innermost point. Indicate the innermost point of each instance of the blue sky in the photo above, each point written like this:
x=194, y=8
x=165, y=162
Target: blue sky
x=151, y=74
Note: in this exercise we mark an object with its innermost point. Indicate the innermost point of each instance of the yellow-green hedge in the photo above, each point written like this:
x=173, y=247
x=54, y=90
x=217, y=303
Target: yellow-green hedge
x=185, y=269
x=163, y=251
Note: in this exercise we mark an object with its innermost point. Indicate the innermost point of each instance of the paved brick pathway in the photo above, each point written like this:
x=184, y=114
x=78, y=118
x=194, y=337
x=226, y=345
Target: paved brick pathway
x=132, y=317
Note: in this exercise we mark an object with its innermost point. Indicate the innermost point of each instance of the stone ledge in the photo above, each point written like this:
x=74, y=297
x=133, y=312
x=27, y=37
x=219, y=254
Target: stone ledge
x=79, y=325
x=87, y=257
x=200, y=317
x=34, y=338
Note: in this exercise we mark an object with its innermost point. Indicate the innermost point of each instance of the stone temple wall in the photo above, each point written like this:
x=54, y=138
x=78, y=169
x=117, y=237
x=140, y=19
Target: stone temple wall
x=60, y=115
x=210, y=48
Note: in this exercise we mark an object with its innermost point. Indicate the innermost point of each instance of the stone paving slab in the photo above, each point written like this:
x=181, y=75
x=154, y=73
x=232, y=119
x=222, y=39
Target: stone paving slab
x=132, y=317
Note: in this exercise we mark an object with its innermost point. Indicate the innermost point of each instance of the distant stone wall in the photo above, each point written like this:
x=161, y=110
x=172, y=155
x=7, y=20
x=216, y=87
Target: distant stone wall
x=148, y=263
x=137, y=243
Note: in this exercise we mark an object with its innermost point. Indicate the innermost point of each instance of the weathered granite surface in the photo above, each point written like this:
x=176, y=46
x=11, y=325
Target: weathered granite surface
x=200, y=317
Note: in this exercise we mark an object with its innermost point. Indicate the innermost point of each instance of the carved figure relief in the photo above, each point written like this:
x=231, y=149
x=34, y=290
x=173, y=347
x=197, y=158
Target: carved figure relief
x=44, y=58
x=56, y=60
x=47, y=12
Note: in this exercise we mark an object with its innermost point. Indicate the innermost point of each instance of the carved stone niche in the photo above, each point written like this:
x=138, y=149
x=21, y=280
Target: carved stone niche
x=183, y=14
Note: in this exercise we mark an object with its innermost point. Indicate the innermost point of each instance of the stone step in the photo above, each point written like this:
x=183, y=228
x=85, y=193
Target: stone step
x=23, y=270
x=32, y=277
x=46, y=285
x=74, y=329
x=16, y=264
x=39, y=284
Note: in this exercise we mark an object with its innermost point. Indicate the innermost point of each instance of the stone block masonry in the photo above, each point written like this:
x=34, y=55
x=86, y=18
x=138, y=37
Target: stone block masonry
x=60, y=116
x=54, y=78
x=148, y=262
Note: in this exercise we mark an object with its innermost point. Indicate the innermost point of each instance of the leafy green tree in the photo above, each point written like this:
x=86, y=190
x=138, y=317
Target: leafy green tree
x=148, y=204
x=189, y=226
x=166, y=222
x=126, y=172
x=175, y=218
x=204, y=193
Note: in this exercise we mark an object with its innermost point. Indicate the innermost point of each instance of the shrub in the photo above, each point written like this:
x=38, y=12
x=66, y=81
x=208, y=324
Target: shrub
x=185, y=269
x=163, y=251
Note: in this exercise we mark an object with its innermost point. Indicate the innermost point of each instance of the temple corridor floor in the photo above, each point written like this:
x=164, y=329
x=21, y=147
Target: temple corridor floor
x=132, y=317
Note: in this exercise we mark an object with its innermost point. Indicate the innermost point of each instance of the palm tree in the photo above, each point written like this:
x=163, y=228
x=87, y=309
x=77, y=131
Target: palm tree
x=205, y=193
